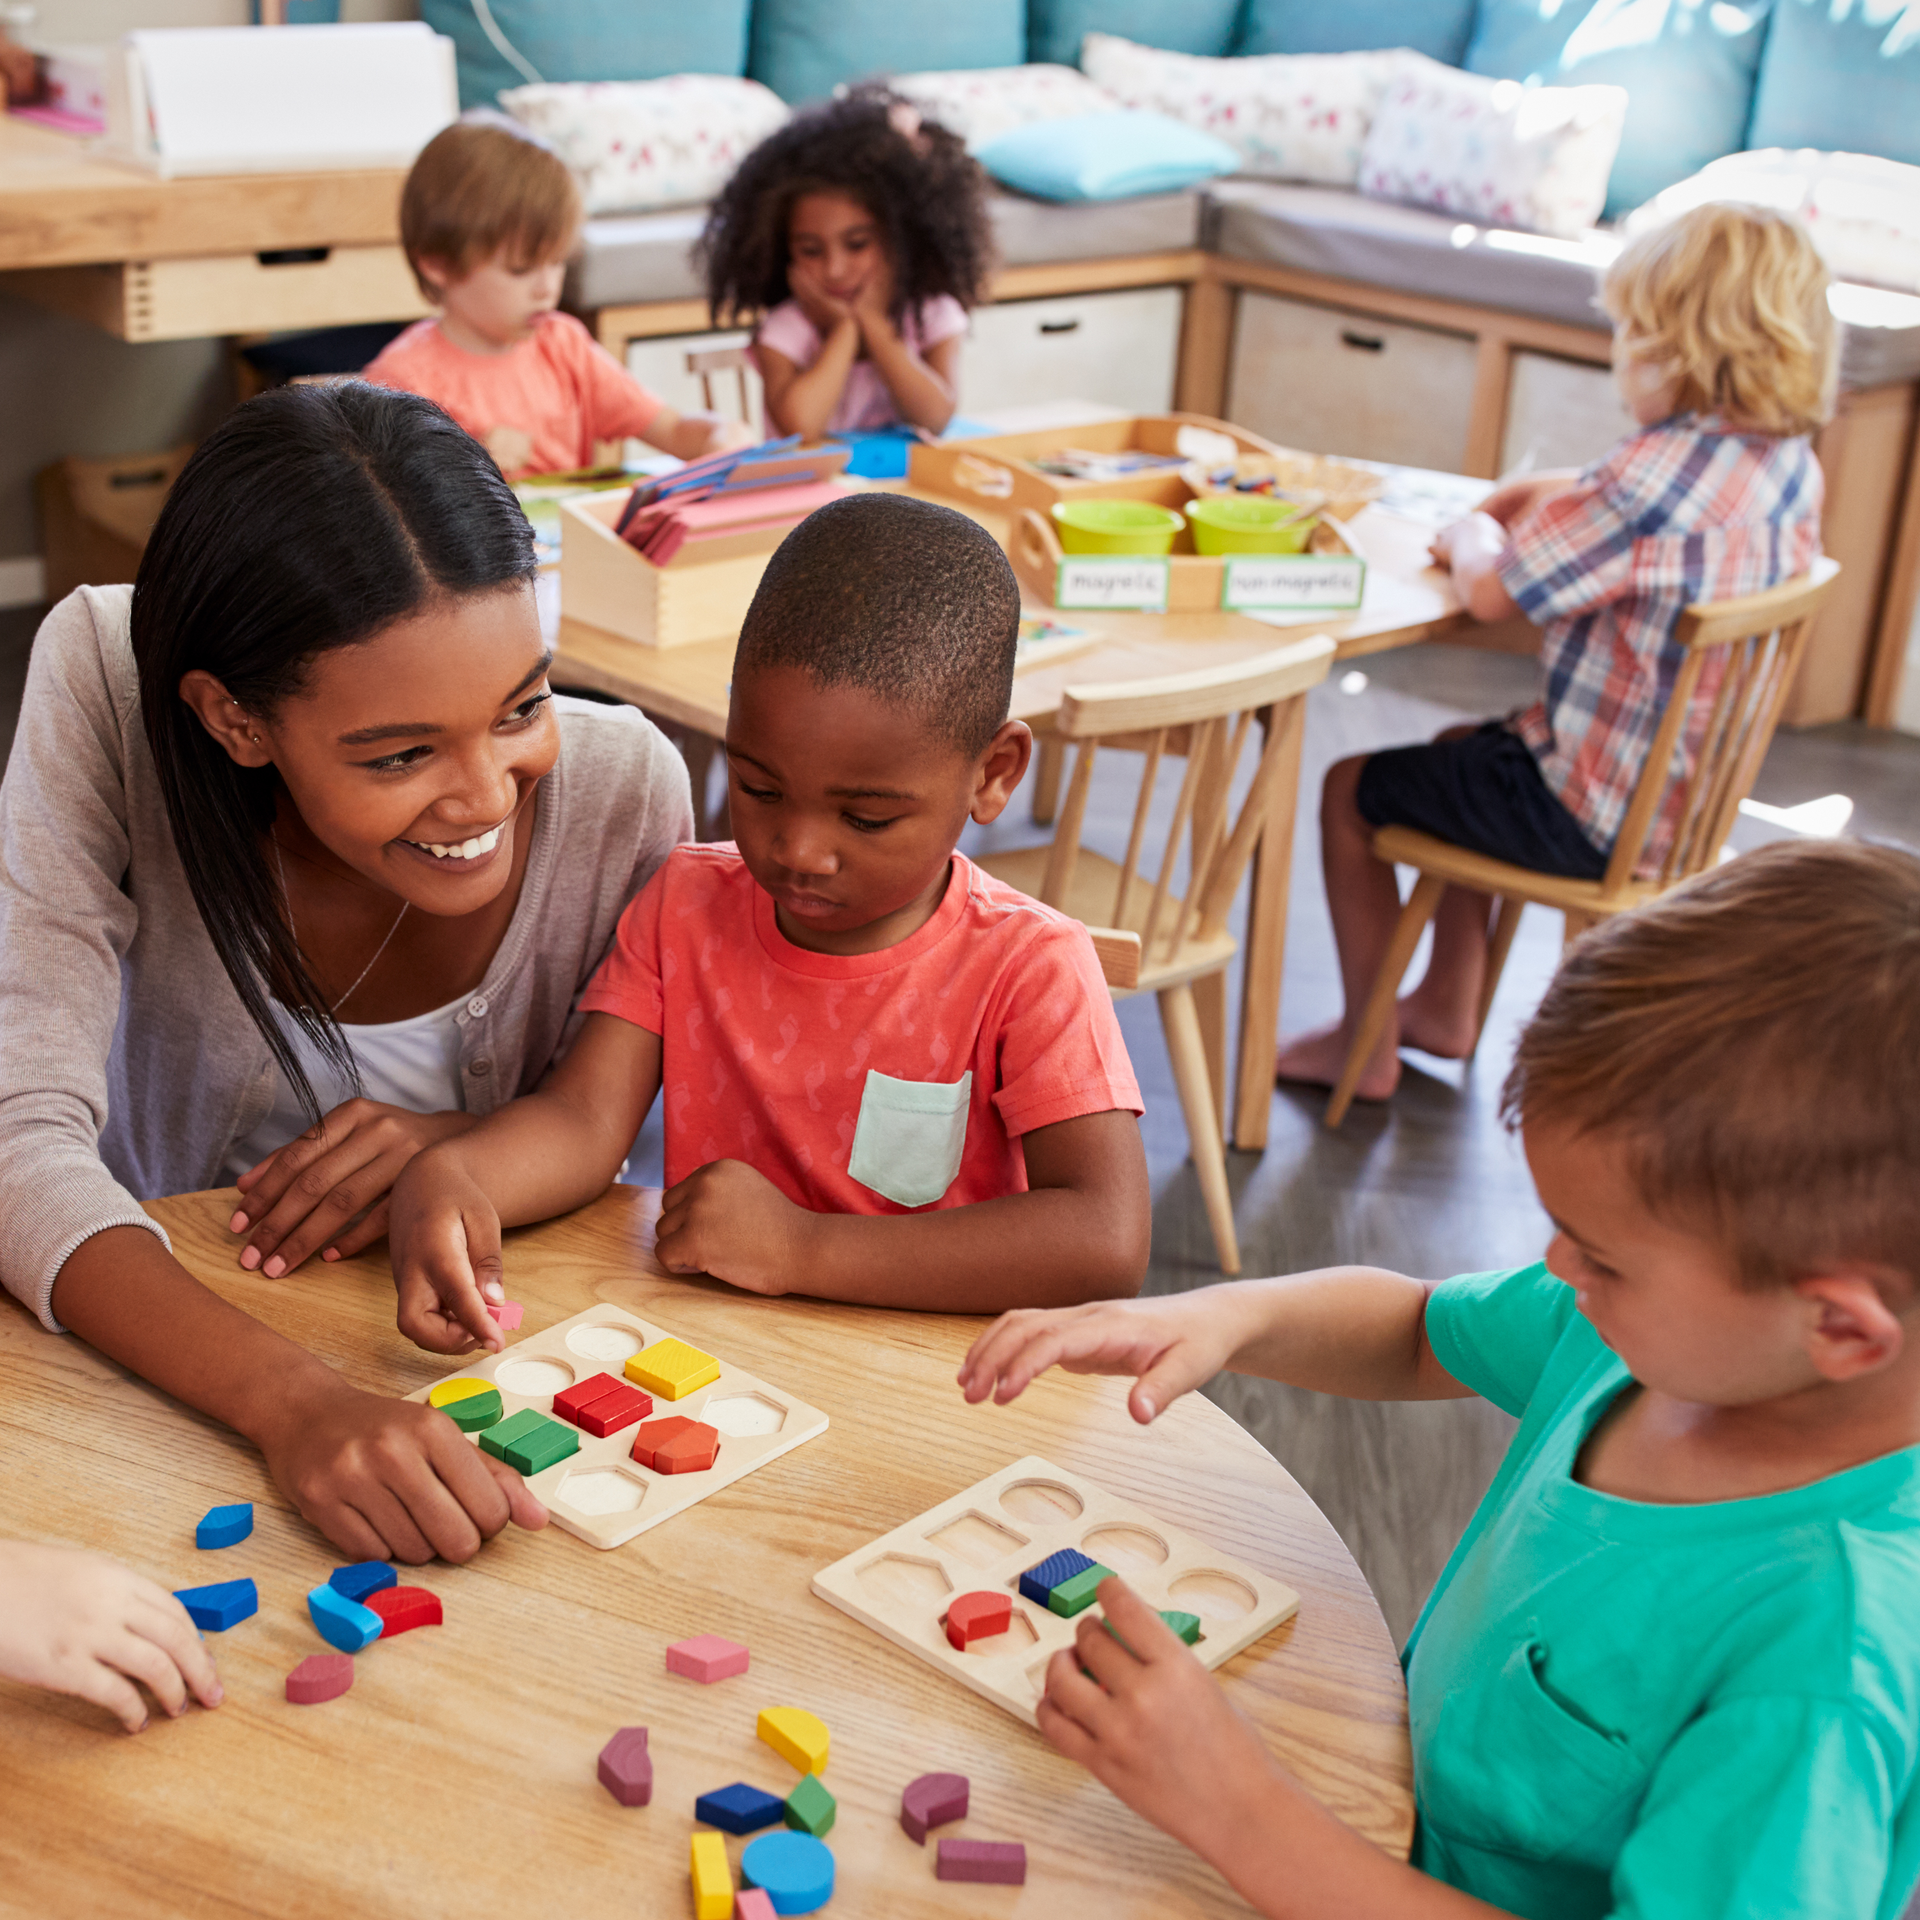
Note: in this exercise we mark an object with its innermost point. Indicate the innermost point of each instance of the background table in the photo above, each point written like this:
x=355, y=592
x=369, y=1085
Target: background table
x=458, y=1774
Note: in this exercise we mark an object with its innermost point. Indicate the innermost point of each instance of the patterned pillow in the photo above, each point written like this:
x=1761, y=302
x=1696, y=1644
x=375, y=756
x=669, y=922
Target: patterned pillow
x=1289, y=116
x=638, y=144
x=1494, y=151
x=982, y=103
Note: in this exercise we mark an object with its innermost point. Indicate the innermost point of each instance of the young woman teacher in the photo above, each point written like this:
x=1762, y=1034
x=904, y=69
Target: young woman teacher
x=301, y=869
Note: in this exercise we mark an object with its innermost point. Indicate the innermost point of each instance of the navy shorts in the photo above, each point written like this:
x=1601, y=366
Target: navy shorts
x=1482, y=791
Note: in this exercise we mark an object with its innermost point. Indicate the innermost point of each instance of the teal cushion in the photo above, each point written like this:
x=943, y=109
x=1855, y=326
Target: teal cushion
x=1688, y=70
x=803, y=49
x=1105, y=156
x=1437, y=28
x=1055, y=28
x=1851, y=84
x=589, y=40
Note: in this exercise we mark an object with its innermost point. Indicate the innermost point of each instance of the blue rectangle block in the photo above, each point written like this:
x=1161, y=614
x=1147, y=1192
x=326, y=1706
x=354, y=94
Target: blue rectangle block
x=225, y=1604
x=362, y=1578
x=225, y=1526
x=343, y=1623
x=740, y=1809
x=1038, y=1582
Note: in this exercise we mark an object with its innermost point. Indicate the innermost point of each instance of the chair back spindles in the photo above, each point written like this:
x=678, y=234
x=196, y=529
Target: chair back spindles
x=1142, y=806
x=1065, y=854
x=1199, y=744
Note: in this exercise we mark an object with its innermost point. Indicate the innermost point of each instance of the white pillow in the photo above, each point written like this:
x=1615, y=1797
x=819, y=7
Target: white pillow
x=638, y=144
x=1863, y=212
x=982, y=103
x=1494, y=151
x=1289, y=116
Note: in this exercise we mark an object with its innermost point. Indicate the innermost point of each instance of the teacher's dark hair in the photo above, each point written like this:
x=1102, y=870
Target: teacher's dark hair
x=310, y=519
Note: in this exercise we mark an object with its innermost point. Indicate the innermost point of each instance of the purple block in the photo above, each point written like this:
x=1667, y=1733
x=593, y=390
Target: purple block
x=1003, y=1862
x=626, y=1767
x=934, y=1800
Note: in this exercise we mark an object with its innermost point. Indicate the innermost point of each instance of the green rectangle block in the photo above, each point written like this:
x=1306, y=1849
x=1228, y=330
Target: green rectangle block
x=496, y=1440
x=552, y=1440
x=477, y=1410
x=1186, y=1625
x=810, y=1807
x=1076, y=1595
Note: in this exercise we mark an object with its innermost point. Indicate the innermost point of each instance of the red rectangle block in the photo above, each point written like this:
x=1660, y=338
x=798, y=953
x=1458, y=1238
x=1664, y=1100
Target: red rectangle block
x=612, y=1411
x=583, y=1393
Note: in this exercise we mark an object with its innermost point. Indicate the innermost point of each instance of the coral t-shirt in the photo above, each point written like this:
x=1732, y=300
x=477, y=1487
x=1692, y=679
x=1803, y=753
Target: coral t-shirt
x=540, y=407
x=865, y=401
x=872, y=1082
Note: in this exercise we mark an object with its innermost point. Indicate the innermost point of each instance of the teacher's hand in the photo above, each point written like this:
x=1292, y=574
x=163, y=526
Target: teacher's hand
x=392, y=1479
x=328, y=1191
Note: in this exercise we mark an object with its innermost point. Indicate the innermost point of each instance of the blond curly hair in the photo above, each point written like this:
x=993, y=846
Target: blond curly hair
x=1729, y=301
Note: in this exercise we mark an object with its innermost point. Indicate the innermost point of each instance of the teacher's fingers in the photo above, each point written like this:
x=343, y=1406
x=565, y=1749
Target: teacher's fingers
x=322, y=1196
x=371, y=1227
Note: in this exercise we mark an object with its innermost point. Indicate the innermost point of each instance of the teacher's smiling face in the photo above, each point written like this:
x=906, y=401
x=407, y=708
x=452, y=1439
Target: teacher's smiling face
x=412, y=756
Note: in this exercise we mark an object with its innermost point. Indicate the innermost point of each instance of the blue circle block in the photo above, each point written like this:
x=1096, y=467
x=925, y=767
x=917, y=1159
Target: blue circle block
x=343, y=1623
x=214, y=1609
x=362, y=1578
x=225, y=1526
x=794, y=1871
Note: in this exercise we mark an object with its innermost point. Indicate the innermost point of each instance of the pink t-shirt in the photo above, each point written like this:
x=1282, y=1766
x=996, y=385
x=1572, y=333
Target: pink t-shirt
x=540, y=407
x=865, y=402
x=917, y=1067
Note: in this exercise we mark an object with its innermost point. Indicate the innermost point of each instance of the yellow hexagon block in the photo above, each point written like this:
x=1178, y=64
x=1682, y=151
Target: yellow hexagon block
x=672, y=1369
x=449, y=1391
x=712, y=1878
x=797, y=1736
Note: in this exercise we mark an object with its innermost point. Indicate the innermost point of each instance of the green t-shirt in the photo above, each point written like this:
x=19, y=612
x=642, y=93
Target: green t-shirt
x=1663, y=1712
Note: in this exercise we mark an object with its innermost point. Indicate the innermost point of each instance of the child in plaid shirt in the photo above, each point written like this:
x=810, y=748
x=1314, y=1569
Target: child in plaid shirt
x=1724, y=351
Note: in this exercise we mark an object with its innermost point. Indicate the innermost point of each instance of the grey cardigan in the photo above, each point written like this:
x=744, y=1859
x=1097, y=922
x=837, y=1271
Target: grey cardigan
x=127, y=1064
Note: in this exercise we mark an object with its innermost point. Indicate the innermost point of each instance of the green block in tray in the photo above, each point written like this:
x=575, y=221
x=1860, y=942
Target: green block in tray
x=496, y=1440
x=477, y=1410
x=810, y=1807
x=551, y=1440
x=1076, y=1595
x=1186, y=1625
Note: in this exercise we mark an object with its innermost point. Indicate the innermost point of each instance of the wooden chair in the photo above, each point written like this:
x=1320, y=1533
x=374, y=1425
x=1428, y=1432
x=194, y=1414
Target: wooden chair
x=1759, y=640
x=1150, y=939
x=707, y=361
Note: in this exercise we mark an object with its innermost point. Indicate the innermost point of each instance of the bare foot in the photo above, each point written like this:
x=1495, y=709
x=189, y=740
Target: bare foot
x=1317, y=1058
x=1445, y=1033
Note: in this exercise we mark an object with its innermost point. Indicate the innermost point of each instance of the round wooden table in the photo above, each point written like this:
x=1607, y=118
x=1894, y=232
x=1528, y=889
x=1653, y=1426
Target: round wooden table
x=458, y=1775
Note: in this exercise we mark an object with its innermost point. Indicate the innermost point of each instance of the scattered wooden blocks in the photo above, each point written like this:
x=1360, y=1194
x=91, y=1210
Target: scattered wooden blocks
x=798, y=1737
x=794, y=1871
x=672, y=1369
x=978, y=1616
x=507, y=1314
x=1076, y=1595
x=320, y=1676
x=1002, y=1863
x=341, y=1622
x=362, y=1578
x=224, y=1604
x=1038, y=1582
x=811, y=1808
x=712, y=1878
x=707, y=1658
x=934, y=1800
x=739, y=1808
x=751, y=1903
x=225, y=1526
x=470, y=1404
x=626, y=1767
x=401, y=1609
x=677, y=1445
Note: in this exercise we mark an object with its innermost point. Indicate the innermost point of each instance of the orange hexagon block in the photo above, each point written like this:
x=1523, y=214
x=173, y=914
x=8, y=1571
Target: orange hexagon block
x=676, y=1445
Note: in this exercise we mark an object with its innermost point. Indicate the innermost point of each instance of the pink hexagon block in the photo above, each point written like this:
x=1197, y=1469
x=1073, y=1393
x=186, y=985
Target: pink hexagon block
x=626, y=1767
x=506, y=1313
x=707, y=1658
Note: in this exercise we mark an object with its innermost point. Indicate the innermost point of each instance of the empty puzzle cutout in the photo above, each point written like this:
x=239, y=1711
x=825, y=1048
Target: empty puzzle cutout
x=1126, y=1549
x=978, y=1541
x=1042, y=1503
x=601, y=1490
x=904, y=1580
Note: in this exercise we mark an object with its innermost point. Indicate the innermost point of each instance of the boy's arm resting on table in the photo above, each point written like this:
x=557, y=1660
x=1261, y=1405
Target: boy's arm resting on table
x=1080, y=1232
x=1471, y=550
x=692, y=436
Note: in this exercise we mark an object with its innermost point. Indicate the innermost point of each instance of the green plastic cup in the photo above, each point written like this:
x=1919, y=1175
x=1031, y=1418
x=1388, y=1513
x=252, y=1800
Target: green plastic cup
x=1248, y=523
x=1115, y=526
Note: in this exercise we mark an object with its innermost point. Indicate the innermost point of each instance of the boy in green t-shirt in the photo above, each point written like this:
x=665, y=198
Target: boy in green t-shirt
x=1673, y=1668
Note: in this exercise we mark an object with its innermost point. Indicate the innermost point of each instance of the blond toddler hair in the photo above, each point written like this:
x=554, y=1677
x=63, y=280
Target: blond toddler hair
x=1730, y=303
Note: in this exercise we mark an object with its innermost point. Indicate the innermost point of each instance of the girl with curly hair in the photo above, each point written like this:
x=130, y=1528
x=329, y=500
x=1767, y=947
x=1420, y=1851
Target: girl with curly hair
x=857, y=236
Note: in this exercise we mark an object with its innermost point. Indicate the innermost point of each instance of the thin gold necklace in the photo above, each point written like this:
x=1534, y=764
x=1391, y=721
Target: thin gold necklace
x=281, y=865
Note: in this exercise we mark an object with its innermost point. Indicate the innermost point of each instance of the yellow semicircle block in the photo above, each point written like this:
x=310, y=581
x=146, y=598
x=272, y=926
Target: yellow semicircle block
x=797, y=1736
x=448, y=1391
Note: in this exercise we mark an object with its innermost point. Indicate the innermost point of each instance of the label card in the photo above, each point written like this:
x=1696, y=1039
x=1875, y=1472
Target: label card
x=1293, y=583
x=1131, y=581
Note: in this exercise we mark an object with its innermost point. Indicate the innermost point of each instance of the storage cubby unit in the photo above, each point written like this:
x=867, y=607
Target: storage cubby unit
x=1117, y=349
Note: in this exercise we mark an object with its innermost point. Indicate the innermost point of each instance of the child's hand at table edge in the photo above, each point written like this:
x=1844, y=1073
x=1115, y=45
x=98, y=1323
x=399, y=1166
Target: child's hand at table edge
x=731, y=1221
x=444, y=1239
x=77, y=1622
x=1171, y=1344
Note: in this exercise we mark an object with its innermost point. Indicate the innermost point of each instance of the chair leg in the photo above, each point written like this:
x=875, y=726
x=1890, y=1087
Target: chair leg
x=1414, y=916
x=1187, y=1050
x=1506, y=924
x=1576, y=925
x=1210, y=1004
x=1051, y=757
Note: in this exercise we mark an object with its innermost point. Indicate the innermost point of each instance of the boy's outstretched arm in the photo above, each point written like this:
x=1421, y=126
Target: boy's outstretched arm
x=1080, y=1232
x=546, y=1153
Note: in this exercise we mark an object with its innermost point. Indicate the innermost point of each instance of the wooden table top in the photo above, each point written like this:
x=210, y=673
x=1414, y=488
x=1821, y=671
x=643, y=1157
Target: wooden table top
x=458, y=1774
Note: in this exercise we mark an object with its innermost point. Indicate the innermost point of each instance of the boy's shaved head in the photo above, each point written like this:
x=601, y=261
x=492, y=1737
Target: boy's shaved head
x=914, y=603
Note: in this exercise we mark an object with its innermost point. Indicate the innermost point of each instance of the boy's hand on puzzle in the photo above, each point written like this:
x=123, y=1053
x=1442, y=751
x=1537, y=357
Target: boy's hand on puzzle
x=728, y=1220
x=83, y=1624
x=1170, y=1344
x=329, y=1190
x=445, y=1248
x=1153, y=1726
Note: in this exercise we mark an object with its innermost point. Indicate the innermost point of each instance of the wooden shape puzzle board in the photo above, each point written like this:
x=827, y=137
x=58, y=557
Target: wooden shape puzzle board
x=986, y=1537
x=602, y=1493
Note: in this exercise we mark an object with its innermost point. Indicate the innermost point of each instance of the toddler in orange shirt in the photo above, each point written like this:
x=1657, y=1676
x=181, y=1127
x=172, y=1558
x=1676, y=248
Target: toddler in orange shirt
x=888, y=1077
x=488, y=218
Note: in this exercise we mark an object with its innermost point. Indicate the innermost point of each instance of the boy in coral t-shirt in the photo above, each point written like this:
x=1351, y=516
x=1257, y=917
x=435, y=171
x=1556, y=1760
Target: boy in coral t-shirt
x=888, y=1078
x=488, y=217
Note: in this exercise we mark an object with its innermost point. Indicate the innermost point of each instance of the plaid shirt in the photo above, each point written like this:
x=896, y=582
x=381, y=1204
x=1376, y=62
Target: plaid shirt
x=1687, y=510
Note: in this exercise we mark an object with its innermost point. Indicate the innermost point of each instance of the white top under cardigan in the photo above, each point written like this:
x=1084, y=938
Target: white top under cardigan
x=127, y=1065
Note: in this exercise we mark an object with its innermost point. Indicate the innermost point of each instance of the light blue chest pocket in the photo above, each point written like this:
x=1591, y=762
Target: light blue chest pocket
x=910, y=1137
